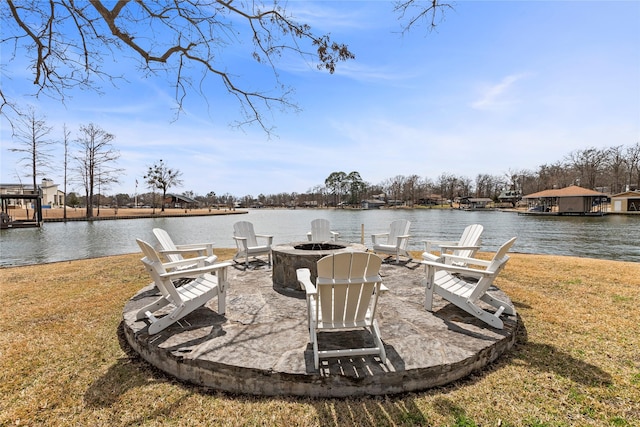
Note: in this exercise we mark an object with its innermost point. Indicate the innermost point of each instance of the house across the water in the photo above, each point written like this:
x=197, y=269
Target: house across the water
x=476, y=203
x=22, y=204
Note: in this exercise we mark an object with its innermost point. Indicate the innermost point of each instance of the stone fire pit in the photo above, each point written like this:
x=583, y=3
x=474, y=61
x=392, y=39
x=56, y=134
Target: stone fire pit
x=287, y=258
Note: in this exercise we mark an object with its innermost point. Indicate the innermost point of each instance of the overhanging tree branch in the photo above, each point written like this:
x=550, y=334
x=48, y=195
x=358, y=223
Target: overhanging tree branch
x=414, y=12
x=66, y=42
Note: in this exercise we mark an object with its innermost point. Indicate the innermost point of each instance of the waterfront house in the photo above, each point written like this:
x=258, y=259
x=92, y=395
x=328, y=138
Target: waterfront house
x=476, y=203
x=181, y=202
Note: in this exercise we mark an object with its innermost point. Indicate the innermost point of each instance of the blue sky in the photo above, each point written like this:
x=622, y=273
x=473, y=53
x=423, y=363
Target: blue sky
x=498, y=86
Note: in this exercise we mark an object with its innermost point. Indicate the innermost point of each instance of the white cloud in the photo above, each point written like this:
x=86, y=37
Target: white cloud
x=498, y=95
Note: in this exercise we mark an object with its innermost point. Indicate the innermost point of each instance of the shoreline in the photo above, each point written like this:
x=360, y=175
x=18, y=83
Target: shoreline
x=143, y=215
x=57, y=214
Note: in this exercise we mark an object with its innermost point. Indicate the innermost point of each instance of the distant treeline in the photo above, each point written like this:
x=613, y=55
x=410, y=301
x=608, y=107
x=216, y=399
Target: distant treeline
x=609, y=170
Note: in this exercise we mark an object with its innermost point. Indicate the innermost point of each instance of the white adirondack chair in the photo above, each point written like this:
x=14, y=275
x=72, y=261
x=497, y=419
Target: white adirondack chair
x=452, y=283
x=247, y=242
x=466, y=247
x=172, y=252
x=345, y=296
x=207, y=282
x=395, y=241
x=321, y=231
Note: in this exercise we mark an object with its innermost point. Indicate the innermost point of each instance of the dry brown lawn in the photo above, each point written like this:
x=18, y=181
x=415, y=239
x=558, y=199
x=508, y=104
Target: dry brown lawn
x=576, y=361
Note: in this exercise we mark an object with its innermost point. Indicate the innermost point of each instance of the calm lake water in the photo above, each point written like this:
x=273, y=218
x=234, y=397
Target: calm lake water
x=610, y=237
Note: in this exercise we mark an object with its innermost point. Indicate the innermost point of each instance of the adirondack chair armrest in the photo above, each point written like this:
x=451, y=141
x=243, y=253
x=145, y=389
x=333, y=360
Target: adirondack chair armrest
x=457, y=248
x=182, y=262
x=374, y=237
x=177, y=251
x=466, y=260
x=266, y=236
x=403, y=237
x=197, y=247
x=304, y=278
x=197, y=271
x=187, y=249
x=241, y=241
x=473, y=272
x=429, y=243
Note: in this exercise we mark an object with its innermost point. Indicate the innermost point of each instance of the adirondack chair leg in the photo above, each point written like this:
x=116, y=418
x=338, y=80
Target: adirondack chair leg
x=485, y=316
x=222, y=291
x=314, y=342
x=161, y=324
x=495, y=302
x=154, y=306
x=429, y=288
x=378, y=341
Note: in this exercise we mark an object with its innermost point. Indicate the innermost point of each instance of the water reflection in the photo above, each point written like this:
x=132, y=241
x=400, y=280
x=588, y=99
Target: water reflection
x=610, y=237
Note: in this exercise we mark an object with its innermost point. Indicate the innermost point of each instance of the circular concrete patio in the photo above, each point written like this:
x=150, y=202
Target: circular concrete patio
x=261, y=345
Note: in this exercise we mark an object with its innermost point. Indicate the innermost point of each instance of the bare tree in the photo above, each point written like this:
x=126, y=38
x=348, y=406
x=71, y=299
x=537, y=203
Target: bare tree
x=393, y=188
x=31, y=135
x=425, y=190
x=95, y=161
x=411, y=189
x=484, y=185
x=465, y=186
x=633, y=164
x=588, y=164
x=447, y=185
x=616, y=168
x=66, y=139
x=161, y=177
x=66, y=41
x=556, y=175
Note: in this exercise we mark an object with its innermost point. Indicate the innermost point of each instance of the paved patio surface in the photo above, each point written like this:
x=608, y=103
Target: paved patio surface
x=261, y=345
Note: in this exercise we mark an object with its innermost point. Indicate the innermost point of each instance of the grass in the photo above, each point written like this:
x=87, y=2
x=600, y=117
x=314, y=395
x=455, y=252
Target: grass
x=575, y=362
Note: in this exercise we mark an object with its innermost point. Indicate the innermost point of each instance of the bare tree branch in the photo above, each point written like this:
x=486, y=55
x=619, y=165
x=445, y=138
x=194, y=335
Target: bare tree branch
x=413, y=11
x=67, y=40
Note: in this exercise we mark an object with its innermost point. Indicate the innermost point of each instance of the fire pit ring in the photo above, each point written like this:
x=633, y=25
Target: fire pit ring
x=287, y=258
